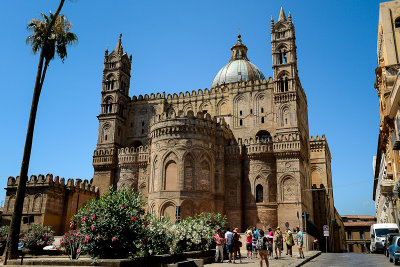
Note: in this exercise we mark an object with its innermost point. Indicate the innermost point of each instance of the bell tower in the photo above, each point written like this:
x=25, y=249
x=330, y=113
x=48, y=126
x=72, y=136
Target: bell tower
x=112, y=117
x=292, y=136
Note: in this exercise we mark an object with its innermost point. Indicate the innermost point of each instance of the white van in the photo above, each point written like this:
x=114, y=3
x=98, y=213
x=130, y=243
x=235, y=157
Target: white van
x=378, y=234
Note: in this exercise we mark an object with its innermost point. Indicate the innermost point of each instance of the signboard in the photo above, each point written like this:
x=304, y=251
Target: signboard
x=287, y=224
x=325, y=228
x=326, y=233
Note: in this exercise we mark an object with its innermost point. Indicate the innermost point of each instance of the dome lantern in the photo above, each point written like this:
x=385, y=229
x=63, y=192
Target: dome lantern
x=239, y=68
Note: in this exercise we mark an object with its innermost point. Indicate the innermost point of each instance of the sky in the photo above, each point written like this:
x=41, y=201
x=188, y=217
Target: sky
x=178, y=46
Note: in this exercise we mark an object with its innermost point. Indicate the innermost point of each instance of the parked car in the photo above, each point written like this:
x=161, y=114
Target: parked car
x=378, y=235
x=388, y=242
x=394, y=250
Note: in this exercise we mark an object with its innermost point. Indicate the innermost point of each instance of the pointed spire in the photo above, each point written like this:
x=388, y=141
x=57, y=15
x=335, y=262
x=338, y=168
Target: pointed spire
x=289, y=17
x=119, y=48
x=282, y=16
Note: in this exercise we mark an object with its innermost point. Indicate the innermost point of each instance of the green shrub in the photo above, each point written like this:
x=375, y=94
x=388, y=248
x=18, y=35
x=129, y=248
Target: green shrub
x=112, y=226
x=72, y=243
x=36, y=238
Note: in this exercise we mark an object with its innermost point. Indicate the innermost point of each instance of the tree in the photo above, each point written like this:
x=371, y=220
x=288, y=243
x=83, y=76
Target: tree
x=50, y=35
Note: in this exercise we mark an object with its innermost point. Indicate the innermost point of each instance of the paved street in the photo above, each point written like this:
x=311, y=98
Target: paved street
x=349, y=259
x=284, y=261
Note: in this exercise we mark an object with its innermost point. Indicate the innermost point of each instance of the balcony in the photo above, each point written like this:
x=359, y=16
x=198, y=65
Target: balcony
x=387, y=185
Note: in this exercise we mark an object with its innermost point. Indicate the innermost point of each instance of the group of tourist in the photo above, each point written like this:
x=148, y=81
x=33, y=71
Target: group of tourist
x=259, y=244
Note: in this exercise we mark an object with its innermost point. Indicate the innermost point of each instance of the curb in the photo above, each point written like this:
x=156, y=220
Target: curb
x=307, y=259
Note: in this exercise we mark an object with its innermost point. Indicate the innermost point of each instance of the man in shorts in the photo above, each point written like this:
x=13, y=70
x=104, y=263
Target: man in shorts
x=229, y=244
x=300, y=243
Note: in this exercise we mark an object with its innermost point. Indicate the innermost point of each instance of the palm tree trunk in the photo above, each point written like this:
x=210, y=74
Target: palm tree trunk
x=11, y=250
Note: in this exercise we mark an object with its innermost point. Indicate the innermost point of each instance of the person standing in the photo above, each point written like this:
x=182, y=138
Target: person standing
x=237, y=245
x=254, y=241
x=229, y=244
x=262, y=248
x=300, y=243
x=278, y=243
x=219, y=248
x=289, y=242
x=249, y=244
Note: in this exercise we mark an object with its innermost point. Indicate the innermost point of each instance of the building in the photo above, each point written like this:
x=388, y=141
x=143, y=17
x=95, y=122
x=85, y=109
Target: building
x=386, y=162
x=241, y=148
x=357, y=229
x=48, y=201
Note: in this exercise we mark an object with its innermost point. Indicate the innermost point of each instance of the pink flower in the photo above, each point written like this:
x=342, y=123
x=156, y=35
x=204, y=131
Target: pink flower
x=78, y=251
x=47, y=243
x=122, y=206
x=114, y=239
x=71, y=224
x=100, y=219
x=93, y=217
x=84, y=219
x=93, y=227
x=98, y=236
x=144, y=240
x=133, y=218
x=146, y=223
x=87, y=239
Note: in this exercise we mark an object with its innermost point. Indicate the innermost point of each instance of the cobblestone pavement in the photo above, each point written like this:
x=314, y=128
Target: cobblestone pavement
x=349, y=259
x=283, y=261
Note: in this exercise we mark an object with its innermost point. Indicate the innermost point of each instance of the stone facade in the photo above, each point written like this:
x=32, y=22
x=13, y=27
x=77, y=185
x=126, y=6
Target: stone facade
x=48, y=201
x=386, y=162
x=241, y=148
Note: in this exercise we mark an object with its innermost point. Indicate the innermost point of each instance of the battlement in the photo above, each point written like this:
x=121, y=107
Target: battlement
x=41, y=180
x=318, y=143
x=166, y=123
x=131, y=155
x=279, y=143
x=104, y=157
x=223, y=88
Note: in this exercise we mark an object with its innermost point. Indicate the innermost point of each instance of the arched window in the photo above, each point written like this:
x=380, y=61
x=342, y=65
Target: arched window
x=171, y=176
x=282, y=57
x=107, y=105
x=397, y=23
x=263, y=133
x=241, y=122
x=259, y=193
x=262, y=119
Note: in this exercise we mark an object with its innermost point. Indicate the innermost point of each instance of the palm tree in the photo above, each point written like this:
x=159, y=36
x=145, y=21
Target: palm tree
x=50, y=35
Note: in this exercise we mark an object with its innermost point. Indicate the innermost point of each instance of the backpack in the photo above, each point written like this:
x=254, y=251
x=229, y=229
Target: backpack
x=279, y=239
x=260, y=245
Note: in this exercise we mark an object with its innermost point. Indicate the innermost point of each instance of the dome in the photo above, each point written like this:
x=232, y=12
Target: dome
x=239, y=68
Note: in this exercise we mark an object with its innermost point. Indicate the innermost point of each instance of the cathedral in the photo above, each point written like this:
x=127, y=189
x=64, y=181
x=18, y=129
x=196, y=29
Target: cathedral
x=241, y=148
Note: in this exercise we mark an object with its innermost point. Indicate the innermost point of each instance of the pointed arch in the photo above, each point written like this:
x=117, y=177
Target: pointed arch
x=170, y=172
x=288, y=189
x=223, y=107
x=168, y=210
x=189, y=172
x=37, y=203
x=204, y=174
x=187, y=208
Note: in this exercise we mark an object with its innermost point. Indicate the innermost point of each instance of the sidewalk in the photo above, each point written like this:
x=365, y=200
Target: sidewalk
x=283, y=261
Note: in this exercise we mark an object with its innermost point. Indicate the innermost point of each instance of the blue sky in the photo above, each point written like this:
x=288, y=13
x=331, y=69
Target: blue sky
x=180, y=46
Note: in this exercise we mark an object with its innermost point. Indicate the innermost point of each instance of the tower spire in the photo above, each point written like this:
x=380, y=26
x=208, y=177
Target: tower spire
x=119, y=48
x=282, y=16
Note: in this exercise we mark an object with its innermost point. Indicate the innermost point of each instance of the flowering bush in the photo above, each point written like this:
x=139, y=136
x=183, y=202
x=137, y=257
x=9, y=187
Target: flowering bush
x=72, y=242
x=214, y=220
x=3, y=237
x=158, y=236
x=36, y=238
x=112, y=226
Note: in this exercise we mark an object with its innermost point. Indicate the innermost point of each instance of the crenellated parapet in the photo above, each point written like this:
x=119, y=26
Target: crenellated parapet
x=130, y=156
x=237, y=87
x=167, y=124
x=56, y=182
x=319, y=144
x=260, y=146
x=104, y=158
